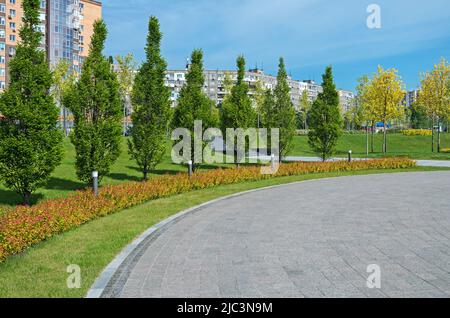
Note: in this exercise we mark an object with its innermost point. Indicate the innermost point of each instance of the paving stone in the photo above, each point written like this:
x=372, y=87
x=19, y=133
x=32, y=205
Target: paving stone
x=311, y=239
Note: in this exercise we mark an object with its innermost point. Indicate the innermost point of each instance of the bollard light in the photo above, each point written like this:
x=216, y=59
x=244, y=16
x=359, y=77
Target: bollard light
x=190, y=168
x=272, y=161
x=95, y=182
x=350, y=156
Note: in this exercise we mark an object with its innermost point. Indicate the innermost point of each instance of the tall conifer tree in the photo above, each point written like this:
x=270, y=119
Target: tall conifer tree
x=325, y=119
x=97, y=109
x=30, y=142
x=151, y=104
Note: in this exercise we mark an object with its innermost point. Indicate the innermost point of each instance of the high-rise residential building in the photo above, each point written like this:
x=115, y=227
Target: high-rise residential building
x=66, y=25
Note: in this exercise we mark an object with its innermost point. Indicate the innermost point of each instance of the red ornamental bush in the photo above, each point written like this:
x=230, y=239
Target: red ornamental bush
x=23, y=227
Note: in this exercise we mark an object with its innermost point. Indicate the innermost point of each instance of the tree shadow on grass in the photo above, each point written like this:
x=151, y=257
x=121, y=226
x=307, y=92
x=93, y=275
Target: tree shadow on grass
x=64, y=184
x=11, y=198
x=123, y=177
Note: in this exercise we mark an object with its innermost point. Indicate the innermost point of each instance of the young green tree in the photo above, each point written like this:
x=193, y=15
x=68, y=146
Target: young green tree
x=418, y=117
x=30, y=142
x=434, y=96
x=385, y=93
x=237, y=109
x=193, y=104
x=325, y=119
x=305, y=107
x=97, y=109
x=126, y=72
x=366, y=110
x=284, y=111
x=151, y=103
x=258, y=98
x=63, y=79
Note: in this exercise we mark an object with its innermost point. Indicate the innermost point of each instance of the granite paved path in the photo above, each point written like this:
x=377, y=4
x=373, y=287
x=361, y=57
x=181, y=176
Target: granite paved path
x=310, y=239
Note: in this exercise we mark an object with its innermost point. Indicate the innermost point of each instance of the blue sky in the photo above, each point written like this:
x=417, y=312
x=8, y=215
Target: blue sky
x=309, y=34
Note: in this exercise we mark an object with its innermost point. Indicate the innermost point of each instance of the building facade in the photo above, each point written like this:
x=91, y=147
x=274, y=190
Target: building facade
x=215, y=84
x=346, y=100
x=66, y=25
x=410, y=98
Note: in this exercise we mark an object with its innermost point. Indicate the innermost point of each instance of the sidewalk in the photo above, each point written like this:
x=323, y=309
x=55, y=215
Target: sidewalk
x=420, y=163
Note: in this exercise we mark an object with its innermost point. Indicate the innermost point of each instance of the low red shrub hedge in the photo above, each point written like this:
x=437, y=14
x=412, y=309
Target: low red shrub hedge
x=23, y=227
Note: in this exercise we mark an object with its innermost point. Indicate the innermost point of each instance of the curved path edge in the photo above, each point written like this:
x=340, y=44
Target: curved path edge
x=110, y=282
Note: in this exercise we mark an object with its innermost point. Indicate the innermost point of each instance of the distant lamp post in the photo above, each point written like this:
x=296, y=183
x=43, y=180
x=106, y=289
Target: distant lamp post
x=350, y=156
x=95, y=182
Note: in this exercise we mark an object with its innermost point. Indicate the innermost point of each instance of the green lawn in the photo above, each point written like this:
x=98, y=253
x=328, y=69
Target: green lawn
x=414, y=147
x=41, y=270
x=64, y=179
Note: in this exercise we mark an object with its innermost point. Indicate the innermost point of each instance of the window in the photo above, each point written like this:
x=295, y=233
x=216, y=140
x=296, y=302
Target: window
x=2, y=8
x=12, y=13
x=2, y=85
x=12, y=25
x=12, y=1
x=2, y=59
x=12, y=51
x=2, y=72
x=2, y=34
x=12, y=38
x=2, y=21
x=2, y=46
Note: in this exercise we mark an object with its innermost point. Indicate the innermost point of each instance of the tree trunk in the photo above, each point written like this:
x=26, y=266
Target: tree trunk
x=145, y=172
x=65, y=121
x=373, y=132
x=367, y=139
x=384, y=138
x=439, y=136
x=432, y=135
x=26, y=196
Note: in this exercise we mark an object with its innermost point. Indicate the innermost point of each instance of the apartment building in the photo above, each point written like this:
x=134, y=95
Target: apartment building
x=410, y=98
x=346, y=100
x=66, y=25
x=216, y=90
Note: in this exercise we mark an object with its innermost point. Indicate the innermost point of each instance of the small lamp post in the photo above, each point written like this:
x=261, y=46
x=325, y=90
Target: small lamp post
x=95, y=182
x=190, y=168
x=272, y=162
x=350, y=156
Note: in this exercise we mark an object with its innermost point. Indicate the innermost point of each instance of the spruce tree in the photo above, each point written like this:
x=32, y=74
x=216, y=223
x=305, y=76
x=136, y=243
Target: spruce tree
x=237, y=109
x=325, y=119
x=30, y=142
x=193, y=104
x=284, y=111
x=97, y=109
x=151, y=104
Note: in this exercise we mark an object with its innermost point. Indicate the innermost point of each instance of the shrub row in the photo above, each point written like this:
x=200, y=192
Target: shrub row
x=417, y=132
x=23, y=226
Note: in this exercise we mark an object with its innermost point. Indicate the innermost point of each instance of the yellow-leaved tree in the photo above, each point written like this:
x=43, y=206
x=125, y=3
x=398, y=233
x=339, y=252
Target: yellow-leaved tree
x=384, y=93
x=434, y=96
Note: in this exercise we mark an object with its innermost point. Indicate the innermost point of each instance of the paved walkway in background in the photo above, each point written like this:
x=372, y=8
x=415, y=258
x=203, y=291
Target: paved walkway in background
x=310, y=239
x=422, y=163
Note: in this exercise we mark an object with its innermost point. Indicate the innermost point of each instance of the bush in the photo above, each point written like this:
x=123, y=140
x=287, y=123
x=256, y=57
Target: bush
x=445, y=150
x=417, y=132
x=24, y=226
